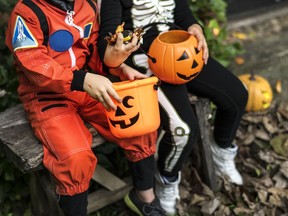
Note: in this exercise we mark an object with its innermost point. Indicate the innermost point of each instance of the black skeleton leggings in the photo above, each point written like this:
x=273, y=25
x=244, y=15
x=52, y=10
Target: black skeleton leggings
x=179, y=122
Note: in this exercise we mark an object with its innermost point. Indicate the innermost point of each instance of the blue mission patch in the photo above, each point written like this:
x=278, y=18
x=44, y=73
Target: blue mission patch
x=22, y=37
x=61, y=40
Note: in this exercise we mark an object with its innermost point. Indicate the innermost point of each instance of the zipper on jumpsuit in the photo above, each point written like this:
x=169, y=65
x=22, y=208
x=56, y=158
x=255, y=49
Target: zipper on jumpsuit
x=70, y=21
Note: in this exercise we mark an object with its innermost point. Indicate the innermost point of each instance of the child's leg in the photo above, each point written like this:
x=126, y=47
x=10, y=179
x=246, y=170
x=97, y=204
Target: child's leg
x=229, y=95
x=142, y=199
x=75, y=205
x=143, y=178
x=181, y=131
x=180, y=126
x=67, y=150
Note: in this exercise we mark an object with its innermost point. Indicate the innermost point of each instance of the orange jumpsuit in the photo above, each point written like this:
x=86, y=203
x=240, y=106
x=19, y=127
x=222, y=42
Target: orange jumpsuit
x=51, y=88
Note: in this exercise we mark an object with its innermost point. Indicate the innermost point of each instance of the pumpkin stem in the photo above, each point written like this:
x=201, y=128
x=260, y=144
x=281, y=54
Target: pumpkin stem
x=252, y=77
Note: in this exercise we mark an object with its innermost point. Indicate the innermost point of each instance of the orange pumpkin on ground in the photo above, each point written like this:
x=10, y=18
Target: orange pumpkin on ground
x=259, y=91
x=174, y=57
x=138, y=114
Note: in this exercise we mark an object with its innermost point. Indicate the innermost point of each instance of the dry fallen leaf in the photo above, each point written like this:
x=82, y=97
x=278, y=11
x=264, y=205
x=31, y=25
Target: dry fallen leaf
x=239, y=60
x=239, y=35
x=284, y=169
x=280, y=180
x=242, y=211
x=280, y=144
x=222, y=211
x=196, y=199
x=216, y=31
x=283, y=110
x=262, y=195
x=208, y=207
x=275, y=200
x=278, y=86
x=263, y=135
x=270, y=124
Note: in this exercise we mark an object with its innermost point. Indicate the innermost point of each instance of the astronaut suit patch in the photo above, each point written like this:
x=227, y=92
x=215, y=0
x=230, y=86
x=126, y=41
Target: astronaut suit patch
x=22, y=36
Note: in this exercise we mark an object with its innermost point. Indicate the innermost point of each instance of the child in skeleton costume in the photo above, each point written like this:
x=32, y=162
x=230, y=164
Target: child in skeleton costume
x=177, y=118
x=62, y=84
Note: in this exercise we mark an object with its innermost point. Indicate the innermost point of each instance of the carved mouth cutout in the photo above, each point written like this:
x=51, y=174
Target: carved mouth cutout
x=120, y=113
x=122, y=123
x=184, y=77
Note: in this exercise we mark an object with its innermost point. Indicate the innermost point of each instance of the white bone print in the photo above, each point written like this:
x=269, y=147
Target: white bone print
x=150, y=11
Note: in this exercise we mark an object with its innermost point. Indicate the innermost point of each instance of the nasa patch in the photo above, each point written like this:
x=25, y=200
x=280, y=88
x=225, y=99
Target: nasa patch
x=22, y=36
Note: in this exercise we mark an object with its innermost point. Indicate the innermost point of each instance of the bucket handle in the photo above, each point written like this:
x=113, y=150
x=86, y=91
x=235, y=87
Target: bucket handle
x=157, y=85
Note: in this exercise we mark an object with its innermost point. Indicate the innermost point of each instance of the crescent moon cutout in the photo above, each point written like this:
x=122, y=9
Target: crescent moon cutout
x=126, y=101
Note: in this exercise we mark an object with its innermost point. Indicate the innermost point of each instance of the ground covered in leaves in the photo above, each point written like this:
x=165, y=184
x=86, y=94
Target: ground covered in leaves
x=262, y=160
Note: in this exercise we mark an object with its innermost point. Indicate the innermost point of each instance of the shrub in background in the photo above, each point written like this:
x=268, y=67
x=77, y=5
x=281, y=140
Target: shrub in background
x=8, y=79
x=211, y=14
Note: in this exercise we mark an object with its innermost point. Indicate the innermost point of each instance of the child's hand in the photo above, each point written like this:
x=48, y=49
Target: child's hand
x=101, y=88
x=125, y=72
x=197, y=31
x=116, y=54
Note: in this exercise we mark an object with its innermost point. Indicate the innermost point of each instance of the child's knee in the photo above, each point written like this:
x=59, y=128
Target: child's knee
x=183, y=132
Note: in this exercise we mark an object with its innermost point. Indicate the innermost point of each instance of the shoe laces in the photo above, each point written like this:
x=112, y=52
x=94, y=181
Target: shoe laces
x=170, y=191
x=150, y=209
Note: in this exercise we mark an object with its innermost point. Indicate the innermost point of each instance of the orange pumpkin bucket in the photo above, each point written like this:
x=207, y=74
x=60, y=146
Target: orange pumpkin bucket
x=174, y=57
x=138, y=114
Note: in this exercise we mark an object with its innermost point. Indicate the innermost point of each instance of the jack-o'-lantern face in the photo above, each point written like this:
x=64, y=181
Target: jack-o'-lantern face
x=125, y=115
x=260, y=93
x=175, y=57
x=138, y=114
x=185, y=62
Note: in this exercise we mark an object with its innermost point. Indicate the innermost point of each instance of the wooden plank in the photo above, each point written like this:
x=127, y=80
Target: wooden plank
x=13, y=116
x=107, y=179
x=104, y=197
x=22, y=148
x=203, y=111
x=19, y=143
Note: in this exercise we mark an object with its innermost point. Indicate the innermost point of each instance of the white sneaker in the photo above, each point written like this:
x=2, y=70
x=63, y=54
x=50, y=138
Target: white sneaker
x=224, y=162
x=167, y=192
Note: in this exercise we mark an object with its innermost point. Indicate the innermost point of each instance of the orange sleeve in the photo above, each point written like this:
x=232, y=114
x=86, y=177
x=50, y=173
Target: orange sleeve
x=31, y=56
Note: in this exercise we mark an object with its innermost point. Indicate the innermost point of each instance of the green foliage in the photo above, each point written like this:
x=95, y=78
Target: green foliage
x=211, y=14
x=13, y=190
x=8, y=79
x=110, y=156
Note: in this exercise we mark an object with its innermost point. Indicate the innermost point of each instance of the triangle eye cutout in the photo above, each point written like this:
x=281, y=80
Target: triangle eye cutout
x=195, y=64
x=119, y=112
x=196, y=51
x=184, y=56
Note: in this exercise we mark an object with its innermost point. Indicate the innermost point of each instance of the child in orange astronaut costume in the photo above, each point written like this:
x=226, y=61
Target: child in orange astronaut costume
x=55, y=59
